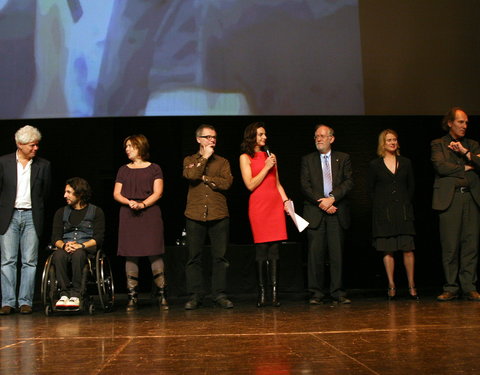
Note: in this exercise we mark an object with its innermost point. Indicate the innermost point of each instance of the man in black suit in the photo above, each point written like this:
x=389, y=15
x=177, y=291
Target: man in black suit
x=24, y=185
x=456, y=196
x=326, y=178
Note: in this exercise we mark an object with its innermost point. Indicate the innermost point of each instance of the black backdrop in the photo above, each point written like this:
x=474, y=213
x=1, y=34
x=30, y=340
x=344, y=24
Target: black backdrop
x=92, y=148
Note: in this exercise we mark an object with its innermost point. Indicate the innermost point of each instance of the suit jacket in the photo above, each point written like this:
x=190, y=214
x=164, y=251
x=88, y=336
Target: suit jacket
x=449, y=168
x=312, y=187
x=40, y=181
x=392, y=209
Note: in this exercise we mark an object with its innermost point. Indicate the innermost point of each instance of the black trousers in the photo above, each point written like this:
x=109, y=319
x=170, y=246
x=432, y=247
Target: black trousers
x=459, y=239
x=78, y=259
x=326, y=241
x=218, y=231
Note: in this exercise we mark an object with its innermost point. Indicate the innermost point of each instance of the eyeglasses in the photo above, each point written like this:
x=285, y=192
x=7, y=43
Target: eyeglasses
x=321, y=137
x=209, y=137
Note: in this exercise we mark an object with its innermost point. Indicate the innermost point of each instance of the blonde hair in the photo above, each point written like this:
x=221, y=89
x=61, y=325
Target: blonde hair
x=382, y=137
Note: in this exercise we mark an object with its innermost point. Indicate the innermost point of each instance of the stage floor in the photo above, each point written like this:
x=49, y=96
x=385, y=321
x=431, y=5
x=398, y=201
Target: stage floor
x=370, y=336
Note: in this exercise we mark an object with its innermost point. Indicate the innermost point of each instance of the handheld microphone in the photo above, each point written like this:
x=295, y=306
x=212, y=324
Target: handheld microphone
x=267, y=150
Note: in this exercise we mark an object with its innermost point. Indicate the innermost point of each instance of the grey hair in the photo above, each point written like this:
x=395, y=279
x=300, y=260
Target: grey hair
x=27, y=134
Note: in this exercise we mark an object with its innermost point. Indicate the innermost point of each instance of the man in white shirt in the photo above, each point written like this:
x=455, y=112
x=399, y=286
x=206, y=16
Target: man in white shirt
x=24, y=185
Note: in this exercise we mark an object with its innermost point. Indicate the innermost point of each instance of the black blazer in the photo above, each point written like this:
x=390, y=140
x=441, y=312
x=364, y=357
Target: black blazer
x=449, y=168
x=312, y=187
x=40, y=181
x=391, y=194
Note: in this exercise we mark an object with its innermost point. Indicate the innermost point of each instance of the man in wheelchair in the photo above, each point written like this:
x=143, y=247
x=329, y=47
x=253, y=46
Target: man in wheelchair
x=78, y=229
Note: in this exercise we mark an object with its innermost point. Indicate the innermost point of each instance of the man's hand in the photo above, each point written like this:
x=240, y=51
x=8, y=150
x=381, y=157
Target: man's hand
x=326, y=203
x=72, y=246
x=208, y=151
x=457, y=147
x=331, y=210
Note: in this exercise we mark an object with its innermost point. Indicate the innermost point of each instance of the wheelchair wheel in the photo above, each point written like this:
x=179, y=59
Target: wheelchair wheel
x=48, y=310
x=49, y=285
x=106, y=290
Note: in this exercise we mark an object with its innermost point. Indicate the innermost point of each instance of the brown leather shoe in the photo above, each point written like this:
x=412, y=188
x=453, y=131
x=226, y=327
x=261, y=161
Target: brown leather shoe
x=446, y=296
x=25, y=309
x=473, y=296
x=6, y=310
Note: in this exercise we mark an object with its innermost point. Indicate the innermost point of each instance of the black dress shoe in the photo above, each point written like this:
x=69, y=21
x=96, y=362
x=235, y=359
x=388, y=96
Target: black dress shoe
x=193, y=304
x=6, y=310
x=224, y=303
x=315, y=301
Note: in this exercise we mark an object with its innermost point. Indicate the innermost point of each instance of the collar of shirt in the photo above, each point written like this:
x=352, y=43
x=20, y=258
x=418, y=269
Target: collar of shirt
x=23, y=198
x=329, y=153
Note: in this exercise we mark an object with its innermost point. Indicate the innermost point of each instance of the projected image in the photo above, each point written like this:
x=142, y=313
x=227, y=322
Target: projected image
x=80, y=58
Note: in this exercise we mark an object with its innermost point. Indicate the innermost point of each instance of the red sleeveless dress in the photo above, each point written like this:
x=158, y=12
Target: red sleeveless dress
x=265, y=207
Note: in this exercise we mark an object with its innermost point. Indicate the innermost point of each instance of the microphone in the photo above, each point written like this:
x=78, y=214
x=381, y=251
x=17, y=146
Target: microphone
x=267, y=150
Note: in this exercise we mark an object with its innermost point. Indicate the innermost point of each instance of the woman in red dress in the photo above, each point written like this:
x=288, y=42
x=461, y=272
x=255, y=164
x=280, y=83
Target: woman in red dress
x=138, y=187
x=266, y=206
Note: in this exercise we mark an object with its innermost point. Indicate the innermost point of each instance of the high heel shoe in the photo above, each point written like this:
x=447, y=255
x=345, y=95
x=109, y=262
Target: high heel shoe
x=415, y=296
x=392, y=293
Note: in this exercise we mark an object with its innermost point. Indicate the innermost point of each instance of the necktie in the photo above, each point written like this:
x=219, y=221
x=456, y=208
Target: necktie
x=327, y=176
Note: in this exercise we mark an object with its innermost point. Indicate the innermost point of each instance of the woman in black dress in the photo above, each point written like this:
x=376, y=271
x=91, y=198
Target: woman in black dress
x=391, y=186
x=138, y=187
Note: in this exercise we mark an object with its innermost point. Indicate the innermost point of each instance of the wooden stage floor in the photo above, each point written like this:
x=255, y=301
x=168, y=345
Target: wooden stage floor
x=370, y=336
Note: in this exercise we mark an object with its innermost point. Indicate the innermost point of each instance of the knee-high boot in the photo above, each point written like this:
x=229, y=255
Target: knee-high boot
x=274, y=279
x=159, y=279
x=132, y=283
x=261, y=283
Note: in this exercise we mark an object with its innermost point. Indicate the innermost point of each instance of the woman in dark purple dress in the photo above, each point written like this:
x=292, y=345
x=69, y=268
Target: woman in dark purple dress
x=138, y=187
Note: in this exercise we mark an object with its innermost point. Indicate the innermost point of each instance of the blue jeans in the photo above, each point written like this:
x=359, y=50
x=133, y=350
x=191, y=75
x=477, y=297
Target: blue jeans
x=20, y=234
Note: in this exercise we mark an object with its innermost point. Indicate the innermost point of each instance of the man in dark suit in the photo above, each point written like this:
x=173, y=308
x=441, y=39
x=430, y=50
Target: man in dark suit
x=326, y=178
x=456, y=196
x=24, y=185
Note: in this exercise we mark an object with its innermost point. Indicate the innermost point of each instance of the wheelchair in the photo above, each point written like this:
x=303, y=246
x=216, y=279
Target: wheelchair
x=97, y=278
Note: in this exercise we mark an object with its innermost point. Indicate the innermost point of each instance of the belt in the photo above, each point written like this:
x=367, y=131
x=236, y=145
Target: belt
x=23, y=209
x=463, y=189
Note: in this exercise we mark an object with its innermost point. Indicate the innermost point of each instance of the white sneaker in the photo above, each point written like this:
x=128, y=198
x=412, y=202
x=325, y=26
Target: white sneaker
x=62, y=302
x=73, y=302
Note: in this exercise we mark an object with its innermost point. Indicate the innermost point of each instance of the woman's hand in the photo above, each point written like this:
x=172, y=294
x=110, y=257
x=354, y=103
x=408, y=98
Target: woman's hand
x=270, y=161
x=134, y=205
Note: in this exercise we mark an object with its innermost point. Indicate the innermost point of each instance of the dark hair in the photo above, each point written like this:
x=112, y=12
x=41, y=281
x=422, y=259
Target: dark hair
x=140, y=142
x=81, y=187
x=250, y=138
x=450, y=117
x=198, y=132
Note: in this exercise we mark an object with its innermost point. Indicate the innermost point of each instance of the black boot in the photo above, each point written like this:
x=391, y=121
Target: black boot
x=274, y=279
x=159, y=279
x=132, y=283
x=261, y=283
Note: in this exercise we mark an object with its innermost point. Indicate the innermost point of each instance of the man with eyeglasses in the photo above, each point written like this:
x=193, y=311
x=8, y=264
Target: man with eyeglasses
x=326, y=178
x=209, y=177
